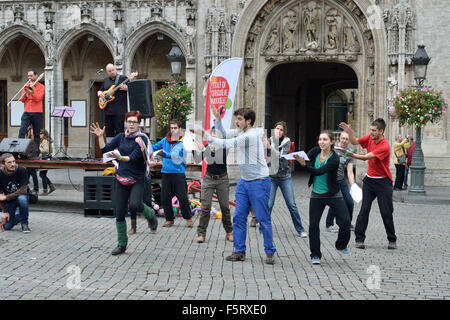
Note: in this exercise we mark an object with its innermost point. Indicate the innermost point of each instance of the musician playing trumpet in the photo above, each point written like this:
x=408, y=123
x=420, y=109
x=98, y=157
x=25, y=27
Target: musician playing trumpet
x=32, y=97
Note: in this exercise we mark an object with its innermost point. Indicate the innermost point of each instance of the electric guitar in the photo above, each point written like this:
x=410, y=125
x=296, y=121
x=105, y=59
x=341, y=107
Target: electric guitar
x=109, y=94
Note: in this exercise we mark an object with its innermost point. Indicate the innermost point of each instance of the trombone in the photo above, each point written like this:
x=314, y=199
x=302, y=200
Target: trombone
x=29, y=80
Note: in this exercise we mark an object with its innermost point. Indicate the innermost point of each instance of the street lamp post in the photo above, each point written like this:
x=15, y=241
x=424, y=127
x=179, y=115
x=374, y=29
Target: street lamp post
x=420, y=63
x=176, y=58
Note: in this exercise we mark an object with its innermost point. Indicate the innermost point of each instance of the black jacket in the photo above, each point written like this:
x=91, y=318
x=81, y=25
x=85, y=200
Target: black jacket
x=331, y=167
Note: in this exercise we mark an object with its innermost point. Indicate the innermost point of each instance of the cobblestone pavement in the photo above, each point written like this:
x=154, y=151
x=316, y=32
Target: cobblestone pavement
x=170, y=264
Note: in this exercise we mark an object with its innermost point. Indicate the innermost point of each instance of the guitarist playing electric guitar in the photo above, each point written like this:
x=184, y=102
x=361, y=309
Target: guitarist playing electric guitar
x=116, y=108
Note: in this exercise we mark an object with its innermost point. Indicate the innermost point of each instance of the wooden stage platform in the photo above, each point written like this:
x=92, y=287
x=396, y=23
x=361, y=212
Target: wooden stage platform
x=87, y=164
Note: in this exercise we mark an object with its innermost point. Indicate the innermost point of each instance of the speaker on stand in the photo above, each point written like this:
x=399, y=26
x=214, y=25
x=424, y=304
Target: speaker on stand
x=140, y=97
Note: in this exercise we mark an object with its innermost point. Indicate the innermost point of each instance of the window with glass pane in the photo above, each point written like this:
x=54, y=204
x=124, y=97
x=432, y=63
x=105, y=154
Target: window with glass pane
x=337, y=108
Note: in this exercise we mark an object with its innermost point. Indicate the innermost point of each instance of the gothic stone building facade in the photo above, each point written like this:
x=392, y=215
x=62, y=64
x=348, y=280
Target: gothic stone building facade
x=311, y=63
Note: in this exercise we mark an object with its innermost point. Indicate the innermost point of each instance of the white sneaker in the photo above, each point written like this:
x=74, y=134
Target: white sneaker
x=332, y=229
x=303, y=235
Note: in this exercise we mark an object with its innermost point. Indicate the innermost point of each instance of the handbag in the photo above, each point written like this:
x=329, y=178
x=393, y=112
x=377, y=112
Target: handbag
x=402, y=158
x=125, y=181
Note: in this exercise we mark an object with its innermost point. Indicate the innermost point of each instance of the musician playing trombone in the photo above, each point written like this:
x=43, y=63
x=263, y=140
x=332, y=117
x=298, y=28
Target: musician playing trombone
x=33, y=97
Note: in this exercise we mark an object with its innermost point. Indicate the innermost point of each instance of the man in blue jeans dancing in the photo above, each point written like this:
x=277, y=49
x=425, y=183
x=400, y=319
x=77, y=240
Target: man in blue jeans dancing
x=253, y=189
x=13, y=193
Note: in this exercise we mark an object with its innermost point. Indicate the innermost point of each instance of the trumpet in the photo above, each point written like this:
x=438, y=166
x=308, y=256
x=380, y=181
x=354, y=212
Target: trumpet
x=30, y=89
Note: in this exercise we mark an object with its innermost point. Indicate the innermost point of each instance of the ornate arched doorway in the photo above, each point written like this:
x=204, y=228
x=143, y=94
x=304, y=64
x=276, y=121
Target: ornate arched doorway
x=340, y=32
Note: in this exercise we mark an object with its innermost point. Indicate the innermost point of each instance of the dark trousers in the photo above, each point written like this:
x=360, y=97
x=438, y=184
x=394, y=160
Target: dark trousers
x=147, y=196
x=348, y=202
x=399, y=176
x=222, y=188
x=382, y=190
x=33, y=174
x=316, y=208
x=35, y=120
x=124, y=194
x=114, y=124
x=174, y=185
x=45, y=180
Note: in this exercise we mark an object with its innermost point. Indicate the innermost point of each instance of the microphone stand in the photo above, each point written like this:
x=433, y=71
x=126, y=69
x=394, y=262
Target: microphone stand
x=88, y=156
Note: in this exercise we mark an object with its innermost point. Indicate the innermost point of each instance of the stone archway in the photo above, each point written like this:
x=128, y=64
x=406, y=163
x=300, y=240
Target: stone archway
x=11, y=33
x=340, y=31
x=184, y=39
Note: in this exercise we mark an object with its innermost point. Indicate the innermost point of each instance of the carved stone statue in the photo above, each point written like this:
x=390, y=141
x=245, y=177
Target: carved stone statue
x=191, y=32
x=18, y=13
x=49, y=46
x=332, y=38
x=351, y=42
x=290, y=29
x=272, y=44
x=249, y=89
x=311, y=22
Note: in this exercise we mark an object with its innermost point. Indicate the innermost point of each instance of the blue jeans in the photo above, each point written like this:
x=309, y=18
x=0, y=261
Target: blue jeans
x=287, y=189
x=405, y=181
x=348, y=201
x=22, y=203
x=254, y=194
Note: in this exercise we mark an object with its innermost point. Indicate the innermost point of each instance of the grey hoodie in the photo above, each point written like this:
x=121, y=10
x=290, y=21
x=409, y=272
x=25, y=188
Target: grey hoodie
x=280, y=168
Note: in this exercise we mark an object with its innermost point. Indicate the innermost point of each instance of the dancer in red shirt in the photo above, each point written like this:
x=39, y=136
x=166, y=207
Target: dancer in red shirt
x=377, y=183
x=33, y=98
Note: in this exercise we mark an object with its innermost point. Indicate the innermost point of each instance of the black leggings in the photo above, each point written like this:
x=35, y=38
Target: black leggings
x=174, y=184
x=316, y=208
x=123, y=194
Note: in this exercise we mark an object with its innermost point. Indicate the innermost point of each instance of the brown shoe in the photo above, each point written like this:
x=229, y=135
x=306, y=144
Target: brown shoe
x=44, y=192
x=189, y=223
x=168, y=223
x=133, y=227
x=229, y=236
x=270, y=259
x=236, y=256
x=201, y=239
x=52, y=188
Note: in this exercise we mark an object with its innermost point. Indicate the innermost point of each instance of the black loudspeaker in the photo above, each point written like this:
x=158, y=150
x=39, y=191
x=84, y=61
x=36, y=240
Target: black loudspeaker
x=16, y=146
x=140, y=95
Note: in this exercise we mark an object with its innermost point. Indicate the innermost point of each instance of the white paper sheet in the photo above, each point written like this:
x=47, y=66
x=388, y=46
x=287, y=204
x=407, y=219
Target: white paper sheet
x=193, y=126
x=109, y=156
x=189, y=141
x=342, y=150
x=290, y=156
x=356, y=193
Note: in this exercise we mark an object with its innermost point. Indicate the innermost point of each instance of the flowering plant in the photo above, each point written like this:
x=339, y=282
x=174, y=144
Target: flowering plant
x=418, y=106
x=173, y=102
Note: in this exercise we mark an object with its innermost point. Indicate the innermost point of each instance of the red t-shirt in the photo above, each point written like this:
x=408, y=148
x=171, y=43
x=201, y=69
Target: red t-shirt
x=378, y=166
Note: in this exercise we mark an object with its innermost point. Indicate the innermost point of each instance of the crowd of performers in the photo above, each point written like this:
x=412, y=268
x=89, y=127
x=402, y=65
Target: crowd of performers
x=263, y=170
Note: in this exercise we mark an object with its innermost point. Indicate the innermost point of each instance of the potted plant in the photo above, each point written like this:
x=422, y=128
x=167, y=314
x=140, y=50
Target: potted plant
x=417, y=107
x=173, y=101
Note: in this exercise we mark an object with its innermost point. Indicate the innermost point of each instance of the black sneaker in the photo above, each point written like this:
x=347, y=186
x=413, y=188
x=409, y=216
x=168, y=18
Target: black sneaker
x=118, y=250
x=360, y=245
x=25, y=228
x=153, y=224
x=392, y=245
x=236, y=256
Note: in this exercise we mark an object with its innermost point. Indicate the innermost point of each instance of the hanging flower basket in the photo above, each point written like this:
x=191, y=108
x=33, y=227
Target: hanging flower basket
x=173, y=102
x=418, y=107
